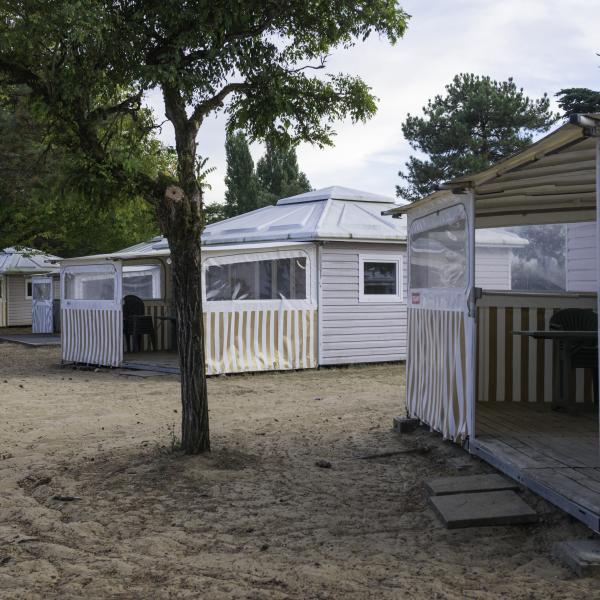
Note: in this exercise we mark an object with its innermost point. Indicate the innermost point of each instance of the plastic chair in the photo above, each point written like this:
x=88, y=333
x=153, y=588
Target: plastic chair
x=583, y=355
x=136, y=323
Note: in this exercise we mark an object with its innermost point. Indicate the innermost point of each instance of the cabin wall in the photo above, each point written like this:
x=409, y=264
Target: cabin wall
x=2, y=301
x=18, y=308
x=581, y=257
x=512, y=368
x=351, y=331
x=493, y=269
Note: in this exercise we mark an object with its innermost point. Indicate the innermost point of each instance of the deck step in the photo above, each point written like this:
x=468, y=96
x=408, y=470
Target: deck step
x=582, y=556
x=482, y=509
x=469, y=484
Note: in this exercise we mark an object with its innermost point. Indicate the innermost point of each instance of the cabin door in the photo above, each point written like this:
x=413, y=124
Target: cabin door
x=441, y=315
x=41, y=305
x=92, y=314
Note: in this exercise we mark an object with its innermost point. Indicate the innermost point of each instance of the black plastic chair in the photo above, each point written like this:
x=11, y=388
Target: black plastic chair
x=136, y=323
x=583, y=355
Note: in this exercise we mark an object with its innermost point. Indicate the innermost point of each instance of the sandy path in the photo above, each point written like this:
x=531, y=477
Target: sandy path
x=256, y=518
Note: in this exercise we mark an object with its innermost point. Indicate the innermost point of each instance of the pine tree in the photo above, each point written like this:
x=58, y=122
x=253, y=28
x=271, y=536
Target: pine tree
x=476, y=123
x=242, y=191
x=279, y=175
x=578, y=100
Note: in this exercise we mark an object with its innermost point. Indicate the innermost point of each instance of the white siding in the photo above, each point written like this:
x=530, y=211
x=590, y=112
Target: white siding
x=18, y=307
x=493, y=268
x=351, y=331
x=581, y=257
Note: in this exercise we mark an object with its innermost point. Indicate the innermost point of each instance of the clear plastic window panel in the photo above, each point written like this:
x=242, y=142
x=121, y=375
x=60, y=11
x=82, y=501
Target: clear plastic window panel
x=279, y=279
x=90, y=285
x=438, y=256
x=380, y=278
x=143, y=281
x=42, y=291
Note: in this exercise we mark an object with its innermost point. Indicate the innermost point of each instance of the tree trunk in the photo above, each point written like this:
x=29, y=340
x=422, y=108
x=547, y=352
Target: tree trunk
x=180, y=219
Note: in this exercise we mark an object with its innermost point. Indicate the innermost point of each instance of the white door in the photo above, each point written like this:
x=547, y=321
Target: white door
x=92, y=314
x=41, y=305
x=441, y=315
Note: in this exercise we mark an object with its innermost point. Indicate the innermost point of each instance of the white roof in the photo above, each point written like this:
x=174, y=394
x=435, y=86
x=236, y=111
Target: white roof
x=26, y=260
x=157, y=247
x=333, y=213
x=499, y=237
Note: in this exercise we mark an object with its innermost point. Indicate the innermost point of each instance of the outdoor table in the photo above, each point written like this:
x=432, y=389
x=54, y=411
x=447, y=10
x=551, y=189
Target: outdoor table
x=569, y=339
x=173, y=321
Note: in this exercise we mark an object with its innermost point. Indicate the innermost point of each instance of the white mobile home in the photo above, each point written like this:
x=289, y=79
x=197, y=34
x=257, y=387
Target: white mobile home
x=19, y=271
x=580, y=260
x=317, y=279
x=511, y=375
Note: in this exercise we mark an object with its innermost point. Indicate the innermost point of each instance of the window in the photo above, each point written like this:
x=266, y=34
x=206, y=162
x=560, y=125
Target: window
x=143, y=281
x=28, y=289
x=42, y=291
x=380, y=279
x=273, y=279
x=89, y=283
x=438, y=250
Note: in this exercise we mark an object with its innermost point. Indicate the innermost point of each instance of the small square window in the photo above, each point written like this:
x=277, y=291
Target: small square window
x=380, y=279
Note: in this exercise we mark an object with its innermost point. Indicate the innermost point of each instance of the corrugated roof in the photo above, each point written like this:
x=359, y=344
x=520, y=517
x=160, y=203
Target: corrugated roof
x=26, y=260
x=551, y=181
x=333, y=213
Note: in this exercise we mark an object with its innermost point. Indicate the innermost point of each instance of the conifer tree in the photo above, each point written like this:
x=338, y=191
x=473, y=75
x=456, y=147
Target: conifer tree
x=242, y=191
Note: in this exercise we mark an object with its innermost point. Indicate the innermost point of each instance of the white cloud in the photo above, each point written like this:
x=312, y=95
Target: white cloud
x=545, y=45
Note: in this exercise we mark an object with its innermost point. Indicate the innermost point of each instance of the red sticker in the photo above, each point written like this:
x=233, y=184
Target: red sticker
x=416, y=298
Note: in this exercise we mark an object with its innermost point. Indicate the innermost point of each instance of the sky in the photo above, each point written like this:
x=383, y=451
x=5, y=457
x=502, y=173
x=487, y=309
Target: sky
x=545, y=45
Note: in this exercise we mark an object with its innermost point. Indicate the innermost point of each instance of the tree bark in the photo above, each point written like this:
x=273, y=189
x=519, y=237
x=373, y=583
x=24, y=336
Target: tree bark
x=180, y=219
x=179, y=212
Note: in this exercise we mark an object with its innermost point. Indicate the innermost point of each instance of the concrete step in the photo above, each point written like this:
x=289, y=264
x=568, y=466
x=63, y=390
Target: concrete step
x=482, y=509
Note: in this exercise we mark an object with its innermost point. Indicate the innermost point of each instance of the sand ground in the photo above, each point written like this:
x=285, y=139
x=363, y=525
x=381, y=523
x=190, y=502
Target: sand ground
x=254, y=519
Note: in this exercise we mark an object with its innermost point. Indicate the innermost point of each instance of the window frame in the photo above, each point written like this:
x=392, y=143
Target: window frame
x=381, y=298
x=28, y=284
x=257, y=304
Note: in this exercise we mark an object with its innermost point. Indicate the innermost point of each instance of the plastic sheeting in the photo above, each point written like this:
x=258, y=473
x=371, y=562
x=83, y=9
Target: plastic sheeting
x=439, y=249
x=280, y=278
x=89, y=283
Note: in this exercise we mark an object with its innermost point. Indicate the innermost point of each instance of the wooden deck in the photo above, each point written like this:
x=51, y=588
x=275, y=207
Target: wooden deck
x=554, y=454
x=162, y=362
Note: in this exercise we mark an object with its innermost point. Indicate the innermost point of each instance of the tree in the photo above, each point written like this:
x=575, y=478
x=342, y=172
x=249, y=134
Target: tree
x=279, y=175
x=578, y=100
x=242, y=192
x=476, y=123
x=38, y=208
x=88, y=64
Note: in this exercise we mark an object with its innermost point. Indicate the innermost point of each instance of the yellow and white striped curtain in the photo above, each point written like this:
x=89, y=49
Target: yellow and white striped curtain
x=514, y=368
x=260, y=340
x=436, y=377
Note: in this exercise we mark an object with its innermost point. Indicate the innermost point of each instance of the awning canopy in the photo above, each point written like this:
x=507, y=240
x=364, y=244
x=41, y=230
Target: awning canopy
x=552, y=181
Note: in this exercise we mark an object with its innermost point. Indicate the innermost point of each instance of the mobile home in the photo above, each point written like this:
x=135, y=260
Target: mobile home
x=482, y=366
x=20, y=272
x=317, y=279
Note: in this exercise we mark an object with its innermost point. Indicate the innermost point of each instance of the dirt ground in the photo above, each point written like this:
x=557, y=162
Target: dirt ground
x=254, y=519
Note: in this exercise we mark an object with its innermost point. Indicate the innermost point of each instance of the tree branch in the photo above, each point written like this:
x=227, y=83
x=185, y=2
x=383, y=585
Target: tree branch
x=202, y=109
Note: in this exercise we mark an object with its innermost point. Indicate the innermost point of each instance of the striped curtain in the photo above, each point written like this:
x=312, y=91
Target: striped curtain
x=514, y=368
x=260, y=340
x=436, y=377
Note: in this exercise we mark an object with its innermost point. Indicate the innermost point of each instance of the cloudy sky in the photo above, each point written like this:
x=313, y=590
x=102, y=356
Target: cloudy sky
x=545, y=45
